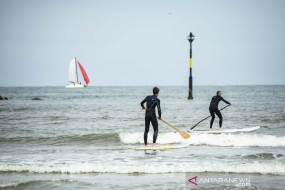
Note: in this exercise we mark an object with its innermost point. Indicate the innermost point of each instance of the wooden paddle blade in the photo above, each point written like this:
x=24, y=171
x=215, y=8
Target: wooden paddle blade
x=184, y=135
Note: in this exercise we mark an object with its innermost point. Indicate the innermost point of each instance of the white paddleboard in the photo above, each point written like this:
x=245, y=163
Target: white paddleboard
x=158, y=147
x=227, y=130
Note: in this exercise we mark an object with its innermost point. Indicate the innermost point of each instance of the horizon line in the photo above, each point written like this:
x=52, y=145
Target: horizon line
x=156, y=85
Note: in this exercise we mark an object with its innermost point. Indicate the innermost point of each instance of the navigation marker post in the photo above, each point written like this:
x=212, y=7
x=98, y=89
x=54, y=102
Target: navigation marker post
x=190, y=95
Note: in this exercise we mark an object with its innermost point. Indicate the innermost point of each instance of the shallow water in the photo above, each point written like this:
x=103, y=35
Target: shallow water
x=77, y=138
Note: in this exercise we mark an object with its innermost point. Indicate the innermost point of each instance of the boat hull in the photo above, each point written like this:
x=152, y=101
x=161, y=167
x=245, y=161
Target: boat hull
x=76, y=85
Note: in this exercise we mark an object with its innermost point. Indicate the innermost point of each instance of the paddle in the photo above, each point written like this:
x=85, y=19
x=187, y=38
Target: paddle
x=182, y=133
x=207, y=118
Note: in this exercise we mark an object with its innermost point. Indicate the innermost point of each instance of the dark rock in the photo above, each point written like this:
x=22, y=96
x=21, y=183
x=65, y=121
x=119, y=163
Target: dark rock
x=3, y=98
x=36, y=99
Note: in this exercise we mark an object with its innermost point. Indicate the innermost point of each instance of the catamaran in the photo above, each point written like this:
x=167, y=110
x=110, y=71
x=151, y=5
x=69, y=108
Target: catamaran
x=73, y=75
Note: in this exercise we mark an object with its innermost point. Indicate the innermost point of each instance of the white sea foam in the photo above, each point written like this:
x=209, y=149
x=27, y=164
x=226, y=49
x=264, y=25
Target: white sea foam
x=234, y=140
x=277, y=168
x=9, y=184
x=18, y=183
x=163, y=138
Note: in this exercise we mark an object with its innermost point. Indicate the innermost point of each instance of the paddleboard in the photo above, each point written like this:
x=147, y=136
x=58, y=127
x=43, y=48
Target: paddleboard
x=226, y=130
x=158, y=147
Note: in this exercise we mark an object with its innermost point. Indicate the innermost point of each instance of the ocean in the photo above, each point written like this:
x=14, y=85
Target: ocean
x=79, y=139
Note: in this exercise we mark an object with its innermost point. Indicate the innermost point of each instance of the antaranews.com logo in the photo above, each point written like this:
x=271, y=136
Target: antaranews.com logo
x=236, y=181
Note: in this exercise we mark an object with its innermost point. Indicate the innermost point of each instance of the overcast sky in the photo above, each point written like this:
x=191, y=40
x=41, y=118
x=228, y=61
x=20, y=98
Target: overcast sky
x=132, y=42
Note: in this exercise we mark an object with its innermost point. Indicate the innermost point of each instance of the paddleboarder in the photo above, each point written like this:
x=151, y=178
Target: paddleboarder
x=215, y=110
x=151, y=102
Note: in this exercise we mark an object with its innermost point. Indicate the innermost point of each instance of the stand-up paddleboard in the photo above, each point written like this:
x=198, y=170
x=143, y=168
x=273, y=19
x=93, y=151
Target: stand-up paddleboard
x=227, y=130
x=159, y=147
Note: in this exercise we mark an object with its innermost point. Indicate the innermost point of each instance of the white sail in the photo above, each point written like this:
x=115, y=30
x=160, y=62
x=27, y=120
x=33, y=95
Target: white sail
x=72, y=71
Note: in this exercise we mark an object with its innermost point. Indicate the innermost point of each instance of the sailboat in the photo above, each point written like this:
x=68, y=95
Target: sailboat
x=73, y=75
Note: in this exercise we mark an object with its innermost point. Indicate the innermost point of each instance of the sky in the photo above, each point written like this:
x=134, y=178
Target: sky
x=142, y=42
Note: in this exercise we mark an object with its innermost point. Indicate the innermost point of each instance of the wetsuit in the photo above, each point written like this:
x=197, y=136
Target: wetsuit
x=215, y=110
x=151, y=103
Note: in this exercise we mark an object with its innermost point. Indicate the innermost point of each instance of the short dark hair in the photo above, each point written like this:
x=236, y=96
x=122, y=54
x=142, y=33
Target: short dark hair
x=155, y=90
x=218, y=92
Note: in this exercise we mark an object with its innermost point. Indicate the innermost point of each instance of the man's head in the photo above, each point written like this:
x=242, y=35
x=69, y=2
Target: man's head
x=219, y=93
x=155, y=91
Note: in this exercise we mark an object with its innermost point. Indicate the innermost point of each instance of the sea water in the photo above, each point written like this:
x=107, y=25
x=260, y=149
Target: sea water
x=78, y=138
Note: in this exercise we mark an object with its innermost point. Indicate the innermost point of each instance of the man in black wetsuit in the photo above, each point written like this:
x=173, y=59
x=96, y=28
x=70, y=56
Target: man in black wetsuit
x=151, y=102
x=215, y=110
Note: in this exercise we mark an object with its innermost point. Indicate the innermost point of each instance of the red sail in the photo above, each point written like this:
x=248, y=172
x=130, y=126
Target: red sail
x=85, y=76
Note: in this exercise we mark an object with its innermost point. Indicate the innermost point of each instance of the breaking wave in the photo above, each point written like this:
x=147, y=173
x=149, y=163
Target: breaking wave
x=277, y=168
x=30, y=182
x=229, y=140
x=224, y=140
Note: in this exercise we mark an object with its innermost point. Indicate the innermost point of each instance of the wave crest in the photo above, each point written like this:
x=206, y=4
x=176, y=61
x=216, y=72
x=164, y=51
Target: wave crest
x=277, y=168
x=229, y=140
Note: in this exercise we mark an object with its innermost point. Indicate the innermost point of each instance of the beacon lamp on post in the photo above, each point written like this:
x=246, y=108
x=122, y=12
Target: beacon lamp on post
x=190, y=95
